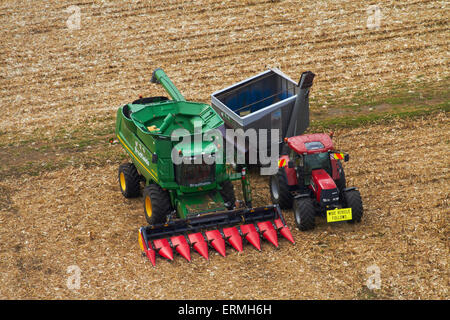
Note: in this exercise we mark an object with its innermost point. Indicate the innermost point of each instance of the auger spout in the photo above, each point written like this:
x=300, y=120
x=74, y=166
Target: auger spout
x=159, y=76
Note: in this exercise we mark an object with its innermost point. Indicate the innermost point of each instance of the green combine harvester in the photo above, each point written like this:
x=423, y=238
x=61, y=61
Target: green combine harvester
x=190, y=204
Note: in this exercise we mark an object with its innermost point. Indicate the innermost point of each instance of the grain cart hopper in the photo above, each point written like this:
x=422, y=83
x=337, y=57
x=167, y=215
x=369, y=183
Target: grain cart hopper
x=269, y=100
x=192, y=203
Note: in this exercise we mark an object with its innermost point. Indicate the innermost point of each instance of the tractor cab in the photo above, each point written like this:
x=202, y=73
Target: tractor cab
x=313, y=155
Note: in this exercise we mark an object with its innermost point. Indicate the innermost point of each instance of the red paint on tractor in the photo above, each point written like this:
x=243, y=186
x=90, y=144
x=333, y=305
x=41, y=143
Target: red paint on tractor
x=297, y=143
x=290, y=172
x=322, y=181
x=334, y=169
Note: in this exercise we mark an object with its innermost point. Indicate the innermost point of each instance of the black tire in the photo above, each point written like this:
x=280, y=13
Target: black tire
x=304, y=214
x=352, y=199
x=157, y=204
x=340, y=183
x=279, y=190
x=227, y=193
x=129, y=180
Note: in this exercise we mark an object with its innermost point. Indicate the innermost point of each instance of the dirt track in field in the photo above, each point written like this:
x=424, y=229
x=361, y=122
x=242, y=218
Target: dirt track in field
x=57, y=84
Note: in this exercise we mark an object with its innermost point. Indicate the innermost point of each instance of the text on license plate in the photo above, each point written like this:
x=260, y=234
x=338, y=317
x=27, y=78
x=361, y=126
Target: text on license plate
x=339, y=215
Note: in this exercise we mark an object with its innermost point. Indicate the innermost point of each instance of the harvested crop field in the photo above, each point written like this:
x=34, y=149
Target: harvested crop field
x=77, y=216
x=60, y=86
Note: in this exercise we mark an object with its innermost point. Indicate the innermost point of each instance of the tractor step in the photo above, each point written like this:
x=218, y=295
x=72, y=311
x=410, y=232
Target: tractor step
x=214, y=230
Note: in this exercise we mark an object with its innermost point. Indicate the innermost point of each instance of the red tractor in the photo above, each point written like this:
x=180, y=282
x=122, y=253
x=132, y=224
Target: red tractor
x=312, y=181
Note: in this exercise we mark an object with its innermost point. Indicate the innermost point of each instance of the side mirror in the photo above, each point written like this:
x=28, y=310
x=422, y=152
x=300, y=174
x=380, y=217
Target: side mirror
x=346, y=157
x=291, y=164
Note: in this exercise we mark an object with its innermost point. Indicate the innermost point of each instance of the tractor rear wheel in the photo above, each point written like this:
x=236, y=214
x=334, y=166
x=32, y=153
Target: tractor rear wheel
x=353, y=200
x=304, y=214
x=129, y=180
x=279, y=190
x=157, y=204
x=227, y=193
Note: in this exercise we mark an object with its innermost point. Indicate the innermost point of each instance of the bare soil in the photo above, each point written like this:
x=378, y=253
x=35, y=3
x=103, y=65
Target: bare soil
x=77, y=216
x=59, y=91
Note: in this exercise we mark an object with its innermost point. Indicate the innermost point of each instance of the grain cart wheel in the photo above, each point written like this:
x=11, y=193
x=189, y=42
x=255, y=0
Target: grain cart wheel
x=304, y=213
x=353, y=200
x=227, y=193
x=340, y=183
x=157, y=204
x=279, y=190
x=129, y=180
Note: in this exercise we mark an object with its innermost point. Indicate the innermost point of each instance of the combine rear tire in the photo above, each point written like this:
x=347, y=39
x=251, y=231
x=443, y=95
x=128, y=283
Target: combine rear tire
x=304, y=213
x=157, y=204
x=227, y=193
x=353, y=200
x=129, y=180
x=279, y=190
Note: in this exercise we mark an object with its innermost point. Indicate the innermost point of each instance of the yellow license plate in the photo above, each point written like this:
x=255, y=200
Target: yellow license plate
x=339, y=215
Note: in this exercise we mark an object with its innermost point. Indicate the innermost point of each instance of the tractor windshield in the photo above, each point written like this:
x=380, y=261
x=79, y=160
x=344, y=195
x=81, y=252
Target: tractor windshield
x=317, y=161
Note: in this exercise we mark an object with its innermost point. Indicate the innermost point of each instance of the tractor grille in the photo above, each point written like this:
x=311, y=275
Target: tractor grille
x=195, y=175
x=330, y=196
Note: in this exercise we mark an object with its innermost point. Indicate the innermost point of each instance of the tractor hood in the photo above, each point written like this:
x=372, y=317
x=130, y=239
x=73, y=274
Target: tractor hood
x=322, y=180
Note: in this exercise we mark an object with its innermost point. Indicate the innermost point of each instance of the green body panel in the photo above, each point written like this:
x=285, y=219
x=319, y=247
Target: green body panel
x=188, y=204
x=145, y=133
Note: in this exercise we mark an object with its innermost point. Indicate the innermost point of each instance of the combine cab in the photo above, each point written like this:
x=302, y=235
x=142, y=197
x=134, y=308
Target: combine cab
x=190, y=203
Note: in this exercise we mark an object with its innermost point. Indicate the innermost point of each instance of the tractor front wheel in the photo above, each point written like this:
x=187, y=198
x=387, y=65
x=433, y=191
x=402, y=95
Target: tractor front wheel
x=157, y=204
x=279, y=190
x=304, y=213
x=129, y=180
x=353, y=200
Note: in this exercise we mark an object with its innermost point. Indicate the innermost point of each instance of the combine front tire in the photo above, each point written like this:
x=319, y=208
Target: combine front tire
x=304, y=213
x=129, y=180
x=157, y=204
x=353, y=200
x=279, y=190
